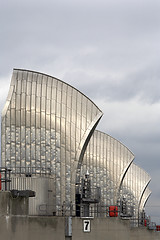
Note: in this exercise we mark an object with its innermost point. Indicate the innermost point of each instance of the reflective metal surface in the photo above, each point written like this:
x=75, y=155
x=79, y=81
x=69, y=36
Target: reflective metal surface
x=49, y=141
x=46, y=126
x=134, y=186
x=144, y=199
x=106, y=160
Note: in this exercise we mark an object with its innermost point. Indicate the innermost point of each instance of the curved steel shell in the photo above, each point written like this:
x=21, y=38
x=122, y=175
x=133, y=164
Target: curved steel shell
x=144, y=199
x=134, y=186
x=106, y=160
x=46, y=126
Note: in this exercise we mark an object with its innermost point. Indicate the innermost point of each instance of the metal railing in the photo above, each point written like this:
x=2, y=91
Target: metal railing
x=95, y=211
x=29, y=171
x=5, y=178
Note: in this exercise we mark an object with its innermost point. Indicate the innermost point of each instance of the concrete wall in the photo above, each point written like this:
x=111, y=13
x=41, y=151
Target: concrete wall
x=4, y=203
x=143, y=233
x=111, y=229
x=24, y=227
x=13, y=206
x=32, y=228
x=101, y=228
x=53, y=228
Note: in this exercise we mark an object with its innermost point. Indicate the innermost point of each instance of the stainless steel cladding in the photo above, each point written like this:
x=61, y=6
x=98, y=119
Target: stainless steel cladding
x=134, y=186
x=50, y=143
x=107, y=161
x=46, y=126
x=144, y=199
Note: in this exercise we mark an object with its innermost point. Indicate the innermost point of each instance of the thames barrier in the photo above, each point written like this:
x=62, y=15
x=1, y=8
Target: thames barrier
x=60, y=177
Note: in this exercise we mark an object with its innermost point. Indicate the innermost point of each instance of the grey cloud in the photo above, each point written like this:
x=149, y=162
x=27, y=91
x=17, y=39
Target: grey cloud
x=69, y=27
x=107, y=49
x=144, y=84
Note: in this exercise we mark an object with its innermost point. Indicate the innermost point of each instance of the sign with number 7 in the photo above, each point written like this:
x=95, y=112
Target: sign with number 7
x=86, y=225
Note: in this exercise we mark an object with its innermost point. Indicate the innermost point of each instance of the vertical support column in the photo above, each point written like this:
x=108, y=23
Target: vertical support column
x=68, y=228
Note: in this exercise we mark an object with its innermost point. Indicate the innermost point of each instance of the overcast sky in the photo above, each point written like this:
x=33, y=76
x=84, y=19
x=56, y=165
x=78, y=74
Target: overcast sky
x=109, y=50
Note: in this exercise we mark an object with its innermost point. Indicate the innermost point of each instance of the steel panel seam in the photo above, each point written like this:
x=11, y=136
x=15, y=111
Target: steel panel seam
x=43, y=118
x=145, y=198
x=106, y=159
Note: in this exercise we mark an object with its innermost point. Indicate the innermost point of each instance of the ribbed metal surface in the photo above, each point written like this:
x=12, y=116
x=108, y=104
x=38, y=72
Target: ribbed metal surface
x=106, y=160
x=144, y=199
x=134, y=186
x=46, y=126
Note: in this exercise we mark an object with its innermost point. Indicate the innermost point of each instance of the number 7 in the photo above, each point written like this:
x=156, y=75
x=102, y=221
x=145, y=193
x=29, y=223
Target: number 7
x=86, y=227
